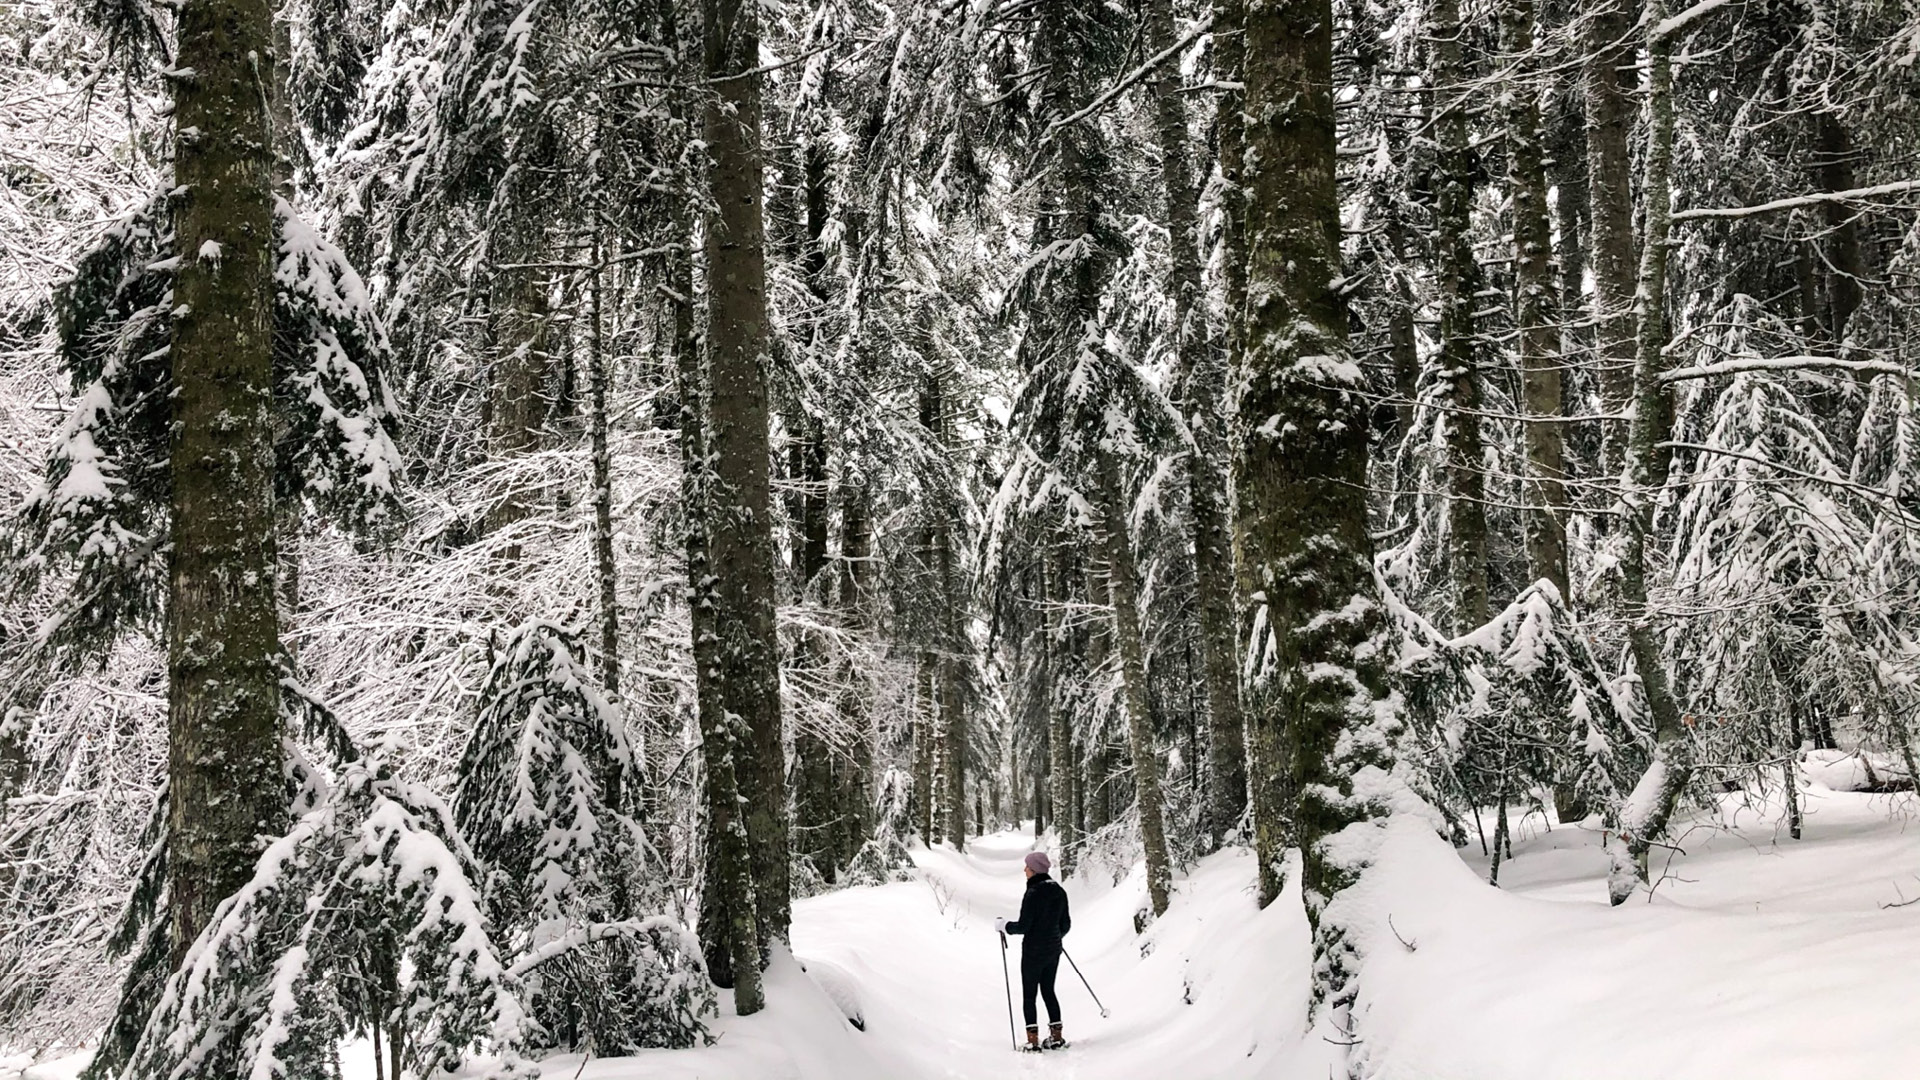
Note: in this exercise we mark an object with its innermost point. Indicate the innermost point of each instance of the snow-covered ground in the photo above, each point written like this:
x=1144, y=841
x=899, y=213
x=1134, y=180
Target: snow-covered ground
x=1759, y=957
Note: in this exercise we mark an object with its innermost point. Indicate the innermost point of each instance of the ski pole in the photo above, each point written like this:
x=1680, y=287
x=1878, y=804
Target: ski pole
x=1083, y=982
x=1008, y=980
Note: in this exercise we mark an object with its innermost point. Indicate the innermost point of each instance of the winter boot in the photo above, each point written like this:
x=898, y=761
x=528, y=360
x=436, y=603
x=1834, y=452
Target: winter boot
x=1053, y=1041
x=1033, y=1039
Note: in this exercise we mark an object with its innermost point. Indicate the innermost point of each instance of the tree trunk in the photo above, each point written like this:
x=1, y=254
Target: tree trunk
x=1610, y=79
x=226, y=793
x=728, y=924
x=606, y=570
x=1124, y=592
x=854, y=774
x=1459, y=280
x=1653, y=799
x=742, y=502
x=925, y=735
x=1060, y=765
x=1204, y=380
x=1534, y=286
x=516, y=382
x=1318, y=648
x=1833, y=160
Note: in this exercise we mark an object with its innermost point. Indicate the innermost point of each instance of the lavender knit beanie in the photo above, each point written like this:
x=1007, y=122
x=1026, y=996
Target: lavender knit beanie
x=1038, y=862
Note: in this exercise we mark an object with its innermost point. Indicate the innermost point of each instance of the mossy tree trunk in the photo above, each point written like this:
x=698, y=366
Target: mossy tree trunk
x=1654, y=798
x=1319, y=713
x=1609, y=48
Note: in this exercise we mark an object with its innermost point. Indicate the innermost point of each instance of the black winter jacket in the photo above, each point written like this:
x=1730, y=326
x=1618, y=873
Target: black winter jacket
x=1044, y=919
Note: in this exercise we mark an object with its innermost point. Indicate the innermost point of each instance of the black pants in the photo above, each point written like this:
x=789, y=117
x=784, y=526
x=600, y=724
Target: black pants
x=1037, y=969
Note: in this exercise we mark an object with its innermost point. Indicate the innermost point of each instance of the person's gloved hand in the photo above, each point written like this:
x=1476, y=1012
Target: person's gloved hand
x=1000, y=926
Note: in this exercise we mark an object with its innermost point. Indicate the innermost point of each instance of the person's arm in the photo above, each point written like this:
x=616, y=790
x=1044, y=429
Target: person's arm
x=1066, y=917
x=1019, y=926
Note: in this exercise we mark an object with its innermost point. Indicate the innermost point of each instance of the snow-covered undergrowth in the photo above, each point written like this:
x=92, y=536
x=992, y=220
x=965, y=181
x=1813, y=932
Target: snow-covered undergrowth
x=1758, y=957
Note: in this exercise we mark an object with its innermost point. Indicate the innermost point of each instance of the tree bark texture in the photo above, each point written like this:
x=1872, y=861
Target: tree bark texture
x=1317, y=643
x=1609, y=46
x=1457, y=358
x=1652, y=802
x=1533, y=304
x=1203, y=378
x=605, y=567
x=728, y=927
x=1125, y=595
x=741, y=502
x=225, y=788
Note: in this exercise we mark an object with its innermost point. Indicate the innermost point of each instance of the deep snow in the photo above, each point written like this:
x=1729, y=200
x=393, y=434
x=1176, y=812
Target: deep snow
x=1758, y=957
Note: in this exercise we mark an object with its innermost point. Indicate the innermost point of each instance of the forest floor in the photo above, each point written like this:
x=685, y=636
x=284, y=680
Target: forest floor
x=1758, y=957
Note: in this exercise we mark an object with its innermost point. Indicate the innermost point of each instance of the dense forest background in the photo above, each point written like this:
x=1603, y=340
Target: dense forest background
x=600, y=471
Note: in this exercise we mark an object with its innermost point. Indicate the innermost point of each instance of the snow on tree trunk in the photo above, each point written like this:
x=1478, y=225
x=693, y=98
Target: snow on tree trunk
x=1318, y=708
x=224, y=772
x=1123, y=589
x=1534, y=288
x=728, y=922
x=1648, y=808
x=1608, y=45
x=853, y=776
x=516, y=379
x=1456, y=361
x=741, y=501
x=1060, y=764
x=605, y=568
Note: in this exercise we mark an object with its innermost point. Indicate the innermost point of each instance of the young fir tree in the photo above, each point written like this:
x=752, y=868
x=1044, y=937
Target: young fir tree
x=363, y=919
x=546, y=797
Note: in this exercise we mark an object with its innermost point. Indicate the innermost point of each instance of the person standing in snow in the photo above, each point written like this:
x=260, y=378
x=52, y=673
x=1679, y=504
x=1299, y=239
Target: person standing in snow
x=1043, y=921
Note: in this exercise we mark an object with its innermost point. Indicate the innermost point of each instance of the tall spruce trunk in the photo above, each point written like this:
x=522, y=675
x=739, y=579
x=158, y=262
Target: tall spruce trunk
x=814, y=797
x=1652, y=802
x=926, y=736
x=1203, y=379
x=853, y=774
x=516, y=406
x=741, y=503
x=1833, y=161
x=1457, y=359
x=1124, y=592
x=728, y=927
x=816, y=802
x=226, y=794
x=1609, y=47
x=606, y=570
x=1533, y=304
x=935, y=416
x=1060, y=764
x=1319, y=648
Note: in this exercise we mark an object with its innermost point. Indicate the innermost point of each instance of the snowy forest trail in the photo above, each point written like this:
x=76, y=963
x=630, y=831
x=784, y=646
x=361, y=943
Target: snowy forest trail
x=925, y=964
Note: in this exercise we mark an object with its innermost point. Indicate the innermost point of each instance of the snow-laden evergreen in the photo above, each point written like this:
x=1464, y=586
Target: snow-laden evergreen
x=549, y=793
